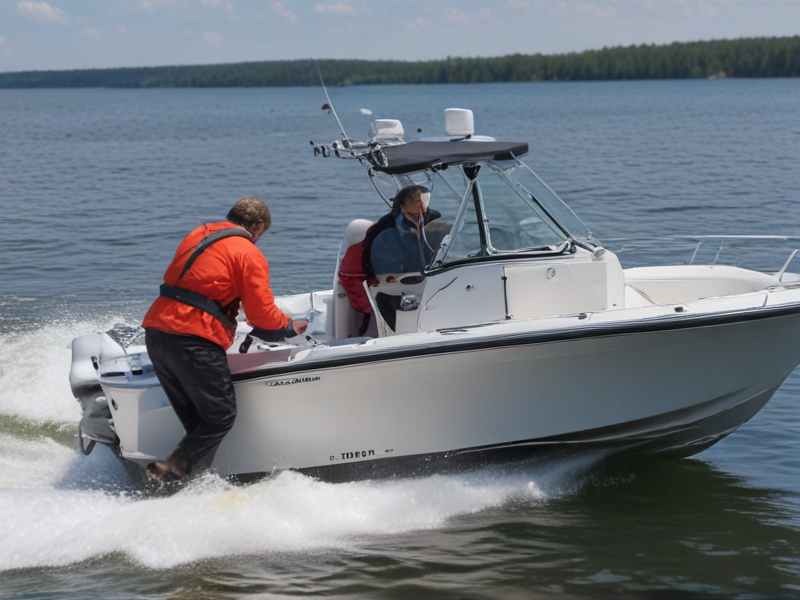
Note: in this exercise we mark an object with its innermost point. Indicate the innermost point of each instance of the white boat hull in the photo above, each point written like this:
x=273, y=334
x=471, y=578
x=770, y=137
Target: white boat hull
x=674, y=385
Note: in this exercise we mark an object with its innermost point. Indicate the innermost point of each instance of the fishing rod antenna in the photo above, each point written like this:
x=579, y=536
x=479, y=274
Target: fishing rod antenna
x=345, y=139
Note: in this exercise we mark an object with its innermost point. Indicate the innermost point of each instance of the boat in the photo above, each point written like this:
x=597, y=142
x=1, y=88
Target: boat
x=522, y=335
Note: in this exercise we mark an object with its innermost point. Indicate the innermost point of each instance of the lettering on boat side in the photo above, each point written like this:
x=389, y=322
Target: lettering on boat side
x=358, y=454
x=292, y=381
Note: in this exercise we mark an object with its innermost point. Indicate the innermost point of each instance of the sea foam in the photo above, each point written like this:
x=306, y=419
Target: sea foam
x=34, y=371
x=287, y=513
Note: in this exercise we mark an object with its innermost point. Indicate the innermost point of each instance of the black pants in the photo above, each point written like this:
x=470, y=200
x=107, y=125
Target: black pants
x=195, y=375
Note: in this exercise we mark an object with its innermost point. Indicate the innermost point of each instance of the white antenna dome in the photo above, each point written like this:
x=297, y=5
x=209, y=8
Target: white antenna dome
x=459, y=122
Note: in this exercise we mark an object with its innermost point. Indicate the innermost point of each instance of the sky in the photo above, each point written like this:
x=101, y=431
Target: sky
x=78, y=34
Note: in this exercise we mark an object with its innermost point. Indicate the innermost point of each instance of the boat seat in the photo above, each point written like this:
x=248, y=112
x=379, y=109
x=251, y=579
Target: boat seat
x=347, y=320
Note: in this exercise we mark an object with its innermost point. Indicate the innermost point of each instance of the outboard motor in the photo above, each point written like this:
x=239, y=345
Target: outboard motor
x=88, y=352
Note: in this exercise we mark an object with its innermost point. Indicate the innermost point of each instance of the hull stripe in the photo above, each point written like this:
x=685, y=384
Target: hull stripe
x=577, y=333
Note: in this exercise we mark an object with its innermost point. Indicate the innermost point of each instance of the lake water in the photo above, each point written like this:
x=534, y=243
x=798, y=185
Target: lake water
x=97, y=187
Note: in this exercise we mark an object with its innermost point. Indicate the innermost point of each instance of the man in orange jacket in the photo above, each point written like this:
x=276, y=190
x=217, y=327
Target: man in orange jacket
x=193, y=321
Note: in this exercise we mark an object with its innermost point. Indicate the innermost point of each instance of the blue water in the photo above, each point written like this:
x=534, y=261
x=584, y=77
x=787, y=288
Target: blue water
x=97, y=187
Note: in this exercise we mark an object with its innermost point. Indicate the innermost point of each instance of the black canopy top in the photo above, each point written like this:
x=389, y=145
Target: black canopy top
x=417, y=156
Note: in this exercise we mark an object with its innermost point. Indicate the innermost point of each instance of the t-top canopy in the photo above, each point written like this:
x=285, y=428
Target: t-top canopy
x=417, y=156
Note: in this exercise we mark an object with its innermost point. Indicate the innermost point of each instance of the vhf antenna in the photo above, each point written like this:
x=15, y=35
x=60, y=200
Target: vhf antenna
x=345, y=139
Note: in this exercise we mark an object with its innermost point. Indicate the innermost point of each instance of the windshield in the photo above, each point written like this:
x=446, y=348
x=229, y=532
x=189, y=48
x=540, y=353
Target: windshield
x=516, y=221
x=525, y=177
x=498, y=216
x=491, y=209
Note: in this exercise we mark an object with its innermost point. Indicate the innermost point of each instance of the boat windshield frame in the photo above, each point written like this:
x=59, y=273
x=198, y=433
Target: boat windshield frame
x=473, y=198
x=575, y=233
x=578, y=229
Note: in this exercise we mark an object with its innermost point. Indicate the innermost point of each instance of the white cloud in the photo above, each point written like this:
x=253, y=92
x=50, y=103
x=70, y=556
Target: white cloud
x=42, y=11
x=454, y=15
x=212, y=39
x=559, y=8
x=596, y=10
x=5, y=46
x=340, y=8
x=419, y=22
x=92, y=33
x=690, y=7
x=279, y=10
x=693, y=8
x=148, y=4
x=593, y=9
x=518, y=5
x=707, y=10
x=122, y=30
x=217, y=4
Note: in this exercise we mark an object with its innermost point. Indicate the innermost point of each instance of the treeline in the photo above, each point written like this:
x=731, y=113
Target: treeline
x=750, y=57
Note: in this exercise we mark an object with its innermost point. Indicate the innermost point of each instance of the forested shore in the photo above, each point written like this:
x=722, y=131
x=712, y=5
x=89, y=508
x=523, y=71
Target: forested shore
x=748, y=57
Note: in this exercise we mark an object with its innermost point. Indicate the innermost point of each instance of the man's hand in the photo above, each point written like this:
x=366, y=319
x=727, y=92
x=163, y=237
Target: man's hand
x=299, y=326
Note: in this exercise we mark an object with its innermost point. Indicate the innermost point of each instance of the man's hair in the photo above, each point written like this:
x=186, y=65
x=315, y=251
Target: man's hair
x=407, y=193
x=248, y=211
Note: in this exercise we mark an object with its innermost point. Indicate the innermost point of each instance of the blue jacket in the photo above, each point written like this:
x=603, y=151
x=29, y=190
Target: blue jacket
x=399, y=250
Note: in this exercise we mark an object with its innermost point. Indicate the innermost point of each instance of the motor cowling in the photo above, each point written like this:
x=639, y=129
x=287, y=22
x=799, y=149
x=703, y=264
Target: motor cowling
x=88, y=353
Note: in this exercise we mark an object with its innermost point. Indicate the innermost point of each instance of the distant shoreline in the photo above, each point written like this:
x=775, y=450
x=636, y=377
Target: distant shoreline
x=741, y=58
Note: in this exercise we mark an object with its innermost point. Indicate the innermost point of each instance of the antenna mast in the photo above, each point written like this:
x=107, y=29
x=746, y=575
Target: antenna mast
x=345, y=139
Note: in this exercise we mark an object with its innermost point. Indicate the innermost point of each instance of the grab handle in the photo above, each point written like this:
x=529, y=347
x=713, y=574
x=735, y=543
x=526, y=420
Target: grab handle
x=780, y=273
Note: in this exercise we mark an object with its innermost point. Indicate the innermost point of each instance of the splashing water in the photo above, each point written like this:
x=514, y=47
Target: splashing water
x=34, y=372
x=288, y=513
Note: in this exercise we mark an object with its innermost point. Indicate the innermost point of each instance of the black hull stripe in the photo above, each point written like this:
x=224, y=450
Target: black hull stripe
x=455, y=461
x=578, y=333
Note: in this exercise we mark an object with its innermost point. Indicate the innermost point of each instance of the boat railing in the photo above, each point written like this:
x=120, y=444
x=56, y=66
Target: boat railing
x=778, y=254
x=785, y=268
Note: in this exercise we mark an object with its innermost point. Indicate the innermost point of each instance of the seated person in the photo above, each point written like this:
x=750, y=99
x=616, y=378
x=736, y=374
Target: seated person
x=351, y=275
x=388, y=220
x=403, y=247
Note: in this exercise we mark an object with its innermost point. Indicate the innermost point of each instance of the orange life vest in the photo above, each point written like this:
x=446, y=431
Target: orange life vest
x=229, y=270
